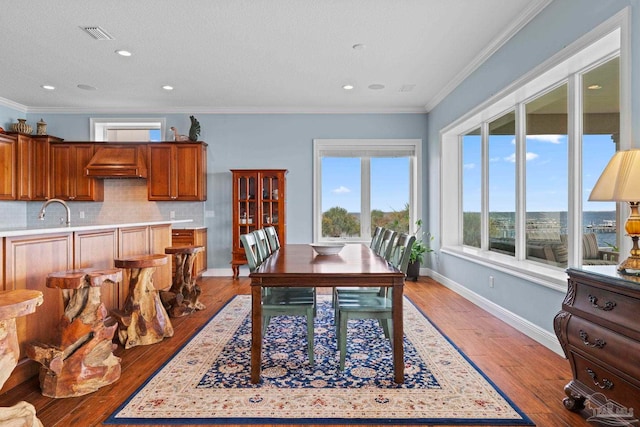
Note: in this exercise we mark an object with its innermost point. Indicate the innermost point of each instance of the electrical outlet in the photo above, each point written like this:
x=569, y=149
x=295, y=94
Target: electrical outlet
x=491, y=281
x=81, y=214
x=209, y=214
x=172, y=214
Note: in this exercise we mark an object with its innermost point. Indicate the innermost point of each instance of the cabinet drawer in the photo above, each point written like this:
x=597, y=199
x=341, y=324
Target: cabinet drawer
x=605, y=345
x=611, y=307
x=601, y=380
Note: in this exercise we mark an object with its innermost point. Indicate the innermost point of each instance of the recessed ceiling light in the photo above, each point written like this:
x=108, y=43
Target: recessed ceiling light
x=123, y=52
x=167, y=87
x=358, y=46
x=376, y=86
x=48, y=87
x=348, y=87
x=86, y=87
x=594, y=87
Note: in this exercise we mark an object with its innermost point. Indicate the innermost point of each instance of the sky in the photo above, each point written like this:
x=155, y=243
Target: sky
x=341, y=183
x=546, y=168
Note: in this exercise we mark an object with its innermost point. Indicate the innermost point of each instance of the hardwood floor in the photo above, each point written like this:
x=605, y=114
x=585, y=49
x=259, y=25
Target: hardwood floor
x=530, y=374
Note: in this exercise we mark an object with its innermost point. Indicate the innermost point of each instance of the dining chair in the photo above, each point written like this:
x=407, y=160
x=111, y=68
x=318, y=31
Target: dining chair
x=371, y=306
x=263, y=243
x=272, y=235
x=376, y=237
x=386, y=243
x=282, y=301
x=377, y=241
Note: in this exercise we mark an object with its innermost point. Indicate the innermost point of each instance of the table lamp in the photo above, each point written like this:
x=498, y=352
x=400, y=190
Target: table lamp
x=620, y=182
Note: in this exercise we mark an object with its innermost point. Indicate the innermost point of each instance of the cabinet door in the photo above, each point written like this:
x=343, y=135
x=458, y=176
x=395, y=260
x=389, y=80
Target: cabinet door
x=159, y=240
x=8, y=167
x=189, y=174
x=68, y=180
x=33, y=168
x=131, y=241
x=160, y=183
x=29, y=259
x=99, y=249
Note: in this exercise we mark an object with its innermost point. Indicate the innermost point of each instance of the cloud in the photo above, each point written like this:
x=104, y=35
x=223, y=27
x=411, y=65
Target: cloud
x=529, y=156
x=553, y=139
x=469, y=166
x=340, y=190
x=494, y=159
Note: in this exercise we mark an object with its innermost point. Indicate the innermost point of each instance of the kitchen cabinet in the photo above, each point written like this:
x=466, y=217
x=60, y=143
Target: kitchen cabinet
x=259, y=197
x=599, y=331
x=189, y=237
x=177, y=171
x=98, y=249
x=28, y=261
x=68, y=180
x=33, y=166
x=8, y=167
x=159, y=240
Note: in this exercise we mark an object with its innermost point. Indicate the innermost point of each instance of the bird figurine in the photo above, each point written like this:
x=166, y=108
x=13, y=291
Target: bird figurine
x=178, y=137
x=194, y=130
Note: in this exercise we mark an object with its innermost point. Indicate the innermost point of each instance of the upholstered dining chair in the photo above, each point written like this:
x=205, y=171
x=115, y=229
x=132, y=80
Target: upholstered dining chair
x=282, y=301
x=351, y=305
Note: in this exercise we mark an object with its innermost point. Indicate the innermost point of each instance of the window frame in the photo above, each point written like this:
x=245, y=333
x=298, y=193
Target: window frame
x=605, y=42
x=364, y=147
x=99, y=126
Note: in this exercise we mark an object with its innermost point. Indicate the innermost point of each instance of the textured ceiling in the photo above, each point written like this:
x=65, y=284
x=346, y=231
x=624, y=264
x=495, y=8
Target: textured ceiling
x=248, y=55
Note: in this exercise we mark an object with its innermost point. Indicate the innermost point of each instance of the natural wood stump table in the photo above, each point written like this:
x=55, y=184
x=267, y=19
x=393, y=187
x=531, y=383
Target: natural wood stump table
x=143, y=320
x=182, y=298
x=13, y=304
x=81, y=360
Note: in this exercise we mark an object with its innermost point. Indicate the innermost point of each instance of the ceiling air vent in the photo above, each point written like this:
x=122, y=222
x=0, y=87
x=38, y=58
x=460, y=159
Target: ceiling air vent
x=98, y=33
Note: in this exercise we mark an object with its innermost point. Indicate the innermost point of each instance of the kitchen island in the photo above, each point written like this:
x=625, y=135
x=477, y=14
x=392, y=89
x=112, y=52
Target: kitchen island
x=31, y=253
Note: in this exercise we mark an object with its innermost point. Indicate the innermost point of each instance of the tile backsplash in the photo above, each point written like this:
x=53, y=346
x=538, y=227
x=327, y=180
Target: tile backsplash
x=125, y=200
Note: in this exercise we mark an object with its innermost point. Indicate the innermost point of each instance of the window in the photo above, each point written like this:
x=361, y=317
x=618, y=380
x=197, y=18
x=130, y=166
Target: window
x=135, y=129
x=361, y=184
x=524, y=176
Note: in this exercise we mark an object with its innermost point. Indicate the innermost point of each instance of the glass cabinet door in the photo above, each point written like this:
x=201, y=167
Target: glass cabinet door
x=247, y=204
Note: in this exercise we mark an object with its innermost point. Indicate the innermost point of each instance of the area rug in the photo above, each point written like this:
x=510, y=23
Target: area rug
x=208, y=380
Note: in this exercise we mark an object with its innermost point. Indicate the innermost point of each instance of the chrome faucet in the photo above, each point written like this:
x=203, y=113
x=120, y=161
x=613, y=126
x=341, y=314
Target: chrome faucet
x=62, y=202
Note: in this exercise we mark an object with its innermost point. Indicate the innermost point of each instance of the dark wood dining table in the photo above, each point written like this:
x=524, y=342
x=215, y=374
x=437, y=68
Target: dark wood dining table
x=298, y=265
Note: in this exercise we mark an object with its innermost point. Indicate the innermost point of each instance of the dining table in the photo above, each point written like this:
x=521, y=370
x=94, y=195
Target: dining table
x=298, y=265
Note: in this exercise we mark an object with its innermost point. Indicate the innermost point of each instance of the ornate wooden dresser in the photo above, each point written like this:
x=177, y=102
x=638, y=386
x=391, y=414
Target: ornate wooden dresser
x=599, y=330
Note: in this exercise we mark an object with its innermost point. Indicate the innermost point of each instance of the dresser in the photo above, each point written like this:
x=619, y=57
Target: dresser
x=599, y=330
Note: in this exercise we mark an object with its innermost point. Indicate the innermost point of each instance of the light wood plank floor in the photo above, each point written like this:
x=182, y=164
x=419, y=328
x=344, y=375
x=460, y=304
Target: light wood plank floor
x=530, y=374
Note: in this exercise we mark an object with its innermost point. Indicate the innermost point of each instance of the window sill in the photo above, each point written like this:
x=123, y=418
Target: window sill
x=548, y=276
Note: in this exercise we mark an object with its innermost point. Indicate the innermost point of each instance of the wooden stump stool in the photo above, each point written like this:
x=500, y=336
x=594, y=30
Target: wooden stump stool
x=182, y=298
x=81, y=360
x=143, y=319
x=15, y=304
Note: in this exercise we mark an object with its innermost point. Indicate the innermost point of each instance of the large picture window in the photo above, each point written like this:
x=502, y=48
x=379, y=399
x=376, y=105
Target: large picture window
x=524, y=176
x=362, y=184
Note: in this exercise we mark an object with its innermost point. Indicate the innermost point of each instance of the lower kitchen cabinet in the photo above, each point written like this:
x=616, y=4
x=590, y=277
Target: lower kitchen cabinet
x=189, y=237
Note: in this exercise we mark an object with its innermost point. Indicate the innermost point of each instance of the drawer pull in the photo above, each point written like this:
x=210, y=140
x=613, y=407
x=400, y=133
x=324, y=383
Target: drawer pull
x=608, y=306
x=606, y=384
x=598, y=343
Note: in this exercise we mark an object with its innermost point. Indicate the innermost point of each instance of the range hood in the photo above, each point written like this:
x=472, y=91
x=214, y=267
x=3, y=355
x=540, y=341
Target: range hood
x=118, y=161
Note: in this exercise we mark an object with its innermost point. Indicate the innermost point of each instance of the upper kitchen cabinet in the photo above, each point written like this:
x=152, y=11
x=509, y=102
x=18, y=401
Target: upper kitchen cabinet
x=33, y=166
x=177, y=171
x=68, y=178
x=8, y=167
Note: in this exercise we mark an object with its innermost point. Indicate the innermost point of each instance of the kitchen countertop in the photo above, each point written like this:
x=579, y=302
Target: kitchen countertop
x=33, y=231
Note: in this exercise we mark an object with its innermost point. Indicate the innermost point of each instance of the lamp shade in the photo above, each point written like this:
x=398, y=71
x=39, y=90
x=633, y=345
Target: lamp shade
x=620, y=180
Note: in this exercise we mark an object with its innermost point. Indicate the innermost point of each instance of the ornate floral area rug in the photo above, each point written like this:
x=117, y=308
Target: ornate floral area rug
x=207, y=381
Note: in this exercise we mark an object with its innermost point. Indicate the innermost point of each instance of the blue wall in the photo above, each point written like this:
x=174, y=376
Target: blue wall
x=558, y=25
x=258, y=141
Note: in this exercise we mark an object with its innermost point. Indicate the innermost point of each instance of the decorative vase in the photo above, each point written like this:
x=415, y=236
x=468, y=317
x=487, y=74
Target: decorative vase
x=22, y=126
x=41, y=128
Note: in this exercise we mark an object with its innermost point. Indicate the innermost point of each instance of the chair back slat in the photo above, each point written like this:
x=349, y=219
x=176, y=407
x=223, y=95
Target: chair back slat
x=376, y=237
x=272, y=235
x=264, y=250
x=386, y=246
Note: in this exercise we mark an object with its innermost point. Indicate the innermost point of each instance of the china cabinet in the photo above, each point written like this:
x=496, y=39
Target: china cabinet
x=259, y=197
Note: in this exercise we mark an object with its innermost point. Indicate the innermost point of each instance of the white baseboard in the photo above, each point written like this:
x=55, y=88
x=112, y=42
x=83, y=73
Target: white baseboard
x=531, y=330
x=223, y=272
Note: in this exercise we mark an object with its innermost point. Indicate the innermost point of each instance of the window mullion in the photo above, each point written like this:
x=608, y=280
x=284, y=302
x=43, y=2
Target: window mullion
x=365, y=197
x=484, y=198
x=521, y=173
x=574, y=138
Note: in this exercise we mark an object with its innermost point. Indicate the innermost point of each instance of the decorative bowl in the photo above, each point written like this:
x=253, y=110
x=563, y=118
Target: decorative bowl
x=327, y=248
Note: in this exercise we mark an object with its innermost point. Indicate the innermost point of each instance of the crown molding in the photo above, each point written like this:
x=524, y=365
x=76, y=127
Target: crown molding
x=11, y=104
x=535, y=7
